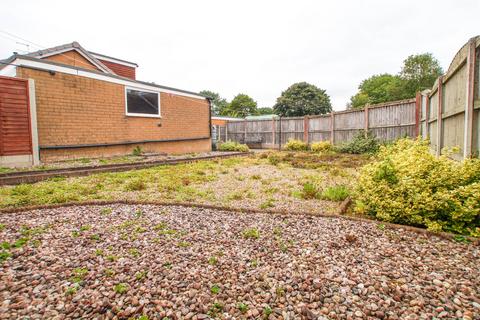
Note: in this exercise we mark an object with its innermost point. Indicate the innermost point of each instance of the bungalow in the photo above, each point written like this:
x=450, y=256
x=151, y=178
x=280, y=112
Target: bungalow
x=67, y=102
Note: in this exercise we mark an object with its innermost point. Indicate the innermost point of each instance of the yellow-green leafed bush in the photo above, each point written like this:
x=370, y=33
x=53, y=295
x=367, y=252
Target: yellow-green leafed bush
x=321, y=146
x=407, y=184
x=296, y=145
x=233, y=146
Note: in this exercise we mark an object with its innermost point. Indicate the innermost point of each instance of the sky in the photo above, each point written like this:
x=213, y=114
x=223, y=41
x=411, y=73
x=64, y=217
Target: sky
x=259, y=48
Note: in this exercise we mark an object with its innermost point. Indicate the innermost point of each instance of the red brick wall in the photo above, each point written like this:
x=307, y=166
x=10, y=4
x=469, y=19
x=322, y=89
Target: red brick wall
x=72, y=58
x=120, y=69
x=74, y=110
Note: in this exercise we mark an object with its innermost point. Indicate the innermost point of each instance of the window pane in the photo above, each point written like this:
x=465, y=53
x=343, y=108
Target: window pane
x=142, y=102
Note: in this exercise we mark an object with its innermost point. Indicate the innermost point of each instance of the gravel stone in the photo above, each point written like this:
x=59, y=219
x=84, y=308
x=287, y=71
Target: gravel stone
x=193, y=263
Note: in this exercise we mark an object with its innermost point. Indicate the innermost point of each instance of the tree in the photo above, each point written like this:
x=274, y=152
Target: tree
x=219, y=104
x=265, y=110
x=241, y=106
x=377, y=89
x=420, y=72
x=302, y=99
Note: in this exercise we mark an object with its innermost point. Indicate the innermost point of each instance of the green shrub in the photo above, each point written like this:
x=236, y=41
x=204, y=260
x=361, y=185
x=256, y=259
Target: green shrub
x=137, y=151
x=335, y=193
x=274, y=158
x=296, y=145
x=360, y=143
x=233, y=146
x=409, y=185
x=309, y=191
x=135, y=185
x=321, y=146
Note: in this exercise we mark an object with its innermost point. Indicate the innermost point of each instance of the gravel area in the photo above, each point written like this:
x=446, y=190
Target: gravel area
x=125, y=261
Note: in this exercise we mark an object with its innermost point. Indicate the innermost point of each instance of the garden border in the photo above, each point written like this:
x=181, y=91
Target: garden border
x=14, y=178
x=342, y=208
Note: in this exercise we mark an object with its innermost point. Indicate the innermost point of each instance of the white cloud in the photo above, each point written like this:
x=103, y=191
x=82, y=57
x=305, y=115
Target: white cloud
x=253, y=47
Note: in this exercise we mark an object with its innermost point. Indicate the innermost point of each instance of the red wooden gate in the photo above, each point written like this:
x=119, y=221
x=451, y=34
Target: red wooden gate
x=15, y=128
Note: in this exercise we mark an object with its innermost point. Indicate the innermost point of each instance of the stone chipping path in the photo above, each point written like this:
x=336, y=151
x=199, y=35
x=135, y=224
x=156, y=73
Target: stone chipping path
x=124, y=261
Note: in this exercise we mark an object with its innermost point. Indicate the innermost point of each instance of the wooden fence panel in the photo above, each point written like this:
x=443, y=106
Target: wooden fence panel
x=347, y=125
x=392, y=121
x=292, y=128
x=319, y=128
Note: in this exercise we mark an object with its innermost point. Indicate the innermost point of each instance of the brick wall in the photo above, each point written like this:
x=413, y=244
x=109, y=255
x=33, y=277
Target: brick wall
x=120, y=69
x=72, y=58
x=74, y=110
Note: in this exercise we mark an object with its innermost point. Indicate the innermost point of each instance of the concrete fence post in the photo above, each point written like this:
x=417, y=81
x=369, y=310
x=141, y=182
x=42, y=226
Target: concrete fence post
x=439, y=117
x=273, y=132
x=332, y=127
x=366, y=120
x=418, y=104
x=33, y=122
x=306, y=128
x=468, y=135
x=245, y=131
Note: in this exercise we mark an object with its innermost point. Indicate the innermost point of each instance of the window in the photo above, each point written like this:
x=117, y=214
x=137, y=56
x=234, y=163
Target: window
x=142, y=103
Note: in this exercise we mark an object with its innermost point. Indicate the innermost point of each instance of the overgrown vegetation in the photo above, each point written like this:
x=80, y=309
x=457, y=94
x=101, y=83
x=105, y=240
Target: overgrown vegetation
x=361, y=143
x=321, y=146
x=296, y=145
x=409, y=185
x=233, y=146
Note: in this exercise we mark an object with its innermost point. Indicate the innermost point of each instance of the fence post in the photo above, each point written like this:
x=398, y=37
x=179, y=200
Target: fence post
x=245, y=131
x=332, y=127
x=226, y=132
x=273, y=132
x=467, y=149
x=439, y=116
x=418, y=101
x=427, y=116
x=367, y=106
x=305, y=129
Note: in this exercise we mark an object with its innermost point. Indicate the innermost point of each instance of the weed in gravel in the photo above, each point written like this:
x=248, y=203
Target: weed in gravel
x=167, y=265
x=309, y=191
x=140, y=229
x=381, y=226
x=138, y=213
x=135, y=253
x=212, y=261
x=78, y=274
x=242, y=307
x=140, y=275
x=160, y=226
x=112, y=258
x=105, y=211
x=109, y=272
x=71, y=291
x=283, y=247
x=145, y=317
x=267, y=311
x=215, y=289
x=254, y=263
x=75, y=234
x=95, y=237
x=236, y=195
x=251, y=233
x=2, y=226
x=460, y=238
x=4, y=255
x=215, y=309
x=280, y=291
x=85, y=228
x=120, y=288
x=99, y=252
x=269, y=203
x=277, y=231
x=184, y=244
x=335, y=193
x=256, y=177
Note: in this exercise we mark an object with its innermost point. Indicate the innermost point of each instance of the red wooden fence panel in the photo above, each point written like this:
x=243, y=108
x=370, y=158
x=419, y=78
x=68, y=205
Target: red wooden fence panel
x=15, y=129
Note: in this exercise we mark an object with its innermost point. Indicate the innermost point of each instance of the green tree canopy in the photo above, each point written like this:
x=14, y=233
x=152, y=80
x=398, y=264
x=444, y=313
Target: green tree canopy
x=241, y=106
x=219, y=104
x=264, y=110
x=419, y=72
x=302, y=99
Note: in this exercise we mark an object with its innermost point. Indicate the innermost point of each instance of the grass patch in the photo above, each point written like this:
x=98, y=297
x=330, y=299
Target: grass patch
x=335, y=193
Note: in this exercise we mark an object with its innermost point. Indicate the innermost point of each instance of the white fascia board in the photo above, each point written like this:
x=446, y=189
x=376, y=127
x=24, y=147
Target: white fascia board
x=9, y=71
x=114, y=61
x=97, y=76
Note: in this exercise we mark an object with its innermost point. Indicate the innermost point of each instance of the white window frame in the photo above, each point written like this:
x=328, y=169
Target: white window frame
x=143, y=115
